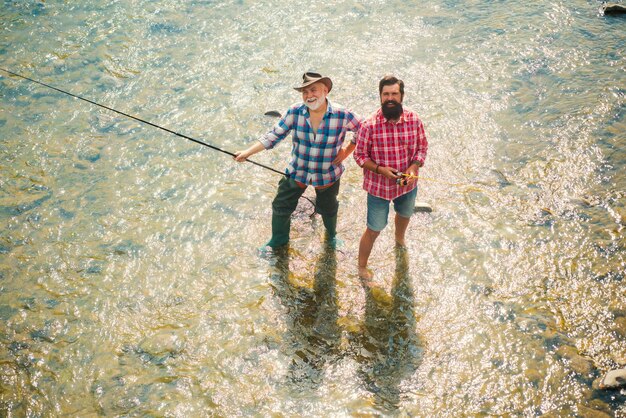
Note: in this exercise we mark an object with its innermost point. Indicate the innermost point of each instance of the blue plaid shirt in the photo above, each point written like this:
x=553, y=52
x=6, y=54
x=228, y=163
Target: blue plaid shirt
x=312, y=153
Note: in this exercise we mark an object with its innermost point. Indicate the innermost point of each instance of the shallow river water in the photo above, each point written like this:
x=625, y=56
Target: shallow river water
x=130, y=283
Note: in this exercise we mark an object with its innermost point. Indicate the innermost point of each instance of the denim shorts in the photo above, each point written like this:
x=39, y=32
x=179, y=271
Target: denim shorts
x=378, y=209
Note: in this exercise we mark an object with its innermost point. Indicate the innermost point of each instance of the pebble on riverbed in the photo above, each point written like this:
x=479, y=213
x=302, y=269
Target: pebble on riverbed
x=614, y=379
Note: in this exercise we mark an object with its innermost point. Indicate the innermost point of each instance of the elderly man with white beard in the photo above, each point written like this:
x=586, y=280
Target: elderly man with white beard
x=318, y=132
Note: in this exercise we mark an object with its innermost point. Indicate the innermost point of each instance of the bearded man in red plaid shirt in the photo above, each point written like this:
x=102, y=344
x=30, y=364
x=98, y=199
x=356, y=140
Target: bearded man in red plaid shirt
x=390, y=142
x=318, y=132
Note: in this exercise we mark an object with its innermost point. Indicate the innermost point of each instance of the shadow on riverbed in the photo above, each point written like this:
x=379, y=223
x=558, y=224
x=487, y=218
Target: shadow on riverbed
x=314, y=335
x=388, y=348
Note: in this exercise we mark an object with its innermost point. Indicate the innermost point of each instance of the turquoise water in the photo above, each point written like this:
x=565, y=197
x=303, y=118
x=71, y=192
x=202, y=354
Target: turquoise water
x=129, y=279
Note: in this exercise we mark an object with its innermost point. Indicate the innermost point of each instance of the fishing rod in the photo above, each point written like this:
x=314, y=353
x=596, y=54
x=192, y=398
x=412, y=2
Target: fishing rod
x=197, y=141
x=425, y=208
x=405, y=176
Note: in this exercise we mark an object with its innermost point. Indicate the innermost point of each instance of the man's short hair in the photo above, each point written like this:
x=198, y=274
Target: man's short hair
x=390, y=80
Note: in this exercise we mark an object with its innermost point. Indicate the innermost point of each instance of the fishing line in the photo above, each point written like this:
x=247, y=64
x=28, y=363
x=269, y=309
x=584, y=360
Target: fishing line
x=197, y=141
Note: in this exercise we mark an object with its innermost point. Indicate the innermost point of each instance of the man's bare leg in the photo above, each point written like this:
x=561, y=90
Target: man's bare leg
x=365, y=249
x=401, y=225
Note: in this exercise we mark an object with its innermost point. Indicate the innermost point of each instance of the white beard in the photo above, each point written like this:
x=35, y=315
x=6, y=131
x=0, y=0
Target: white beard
x=314, y=105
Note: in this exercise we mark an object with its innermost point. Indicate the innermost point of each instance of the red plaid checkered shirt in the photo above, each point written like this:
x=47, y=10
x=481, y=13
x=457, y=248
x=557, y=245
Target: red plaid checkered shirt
x=390, y=144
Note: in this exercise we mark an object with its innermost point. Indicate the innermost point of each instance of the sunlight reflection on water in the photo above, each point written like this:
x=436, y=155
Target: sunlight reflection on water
x=129, y=279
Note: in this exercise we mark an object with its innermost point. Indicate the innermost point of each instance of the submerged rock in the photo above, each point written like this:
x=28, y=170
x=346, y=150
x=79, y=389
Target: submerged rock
x=534, y=376
x=620, y=326
x=577, y=363
x=587, y=412
x=7, y=312
x=15, y=210
x=619, y=358
x=159, y=348
x=612, y=9
x=614, y=379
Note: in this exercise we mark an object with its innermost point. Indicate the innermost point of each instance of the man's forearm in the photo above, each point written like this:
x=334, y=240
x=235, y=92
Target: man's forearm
x=251, y=150
x=351, y=146
x=371, y=166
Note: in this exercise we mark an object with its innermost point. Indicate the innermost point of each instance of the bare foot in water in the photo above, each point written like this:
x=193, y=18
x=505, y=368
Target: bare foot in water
x=366, y=275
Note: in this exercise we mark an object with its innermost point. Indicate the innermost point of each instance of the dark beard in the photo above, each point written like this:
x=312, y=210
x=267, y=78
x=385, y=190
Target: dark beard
x=391, y=109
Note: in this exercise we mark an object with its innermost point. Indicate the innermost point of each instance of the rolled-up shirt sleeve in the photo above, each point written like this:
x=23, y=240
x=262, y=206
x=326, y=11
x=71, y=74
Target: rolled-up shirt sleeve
x=363, y=144
x=422, y=145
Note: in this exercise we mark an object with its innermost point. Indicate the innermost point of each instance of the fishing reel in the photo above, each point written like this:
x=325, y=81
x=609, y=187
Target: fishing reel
x=404, y=178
